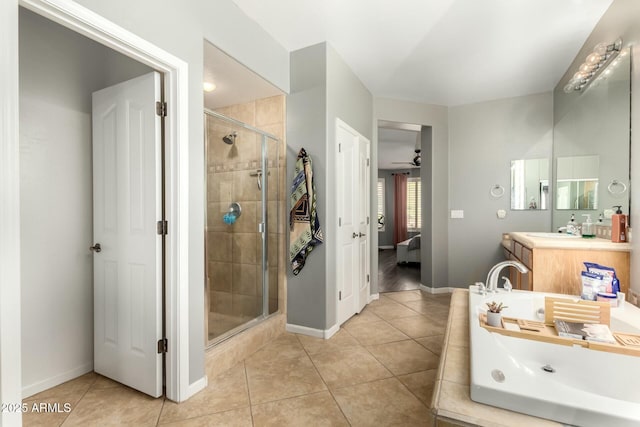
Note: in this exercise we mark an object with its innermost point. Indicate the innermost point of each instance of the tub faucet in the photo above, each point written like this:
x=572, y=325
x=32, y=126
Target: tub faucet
x=492, y=277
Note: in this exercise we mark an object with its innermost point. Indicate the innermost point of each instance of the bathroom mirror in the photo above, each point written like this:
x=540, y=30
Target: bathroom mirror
x=591, y=145
x=577, y=182
x=530, y=184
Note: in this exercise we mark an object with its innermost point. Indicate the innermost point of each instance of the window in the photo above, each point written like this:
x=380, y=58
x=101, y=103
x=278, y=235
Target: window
x=414, y=210
x=381, y=216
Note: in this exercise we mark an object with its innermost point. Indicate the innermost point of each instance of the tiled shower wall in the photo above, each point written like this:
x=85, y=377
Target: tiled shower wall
x=234, y=252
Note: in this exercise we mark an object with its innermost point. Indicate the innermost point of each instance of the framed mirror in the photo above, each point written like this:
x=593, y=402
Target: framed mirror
x=530, y=184
x=591, y=145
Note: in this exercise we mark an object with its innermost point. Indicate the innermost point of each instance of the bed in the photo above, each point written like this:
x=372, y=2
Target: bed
x=408, y=250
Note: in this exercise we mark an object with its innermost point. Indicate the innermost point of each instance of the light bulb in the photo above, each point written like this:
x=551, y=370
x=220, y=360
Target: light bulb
x=593, y=58
x=579, y=76
x=585, y=68
x=569, y=88
x=208, y=86
x=601, y=49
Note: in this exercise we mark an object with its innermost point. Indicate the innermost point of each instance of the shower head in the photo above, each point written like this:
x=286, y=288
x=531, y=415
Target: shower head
x=230, y=139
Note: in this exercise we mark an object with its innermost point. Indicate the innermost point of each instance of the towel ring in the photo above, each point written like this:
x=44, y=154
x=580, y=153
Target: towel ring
x=616, y=183
x=497, y=191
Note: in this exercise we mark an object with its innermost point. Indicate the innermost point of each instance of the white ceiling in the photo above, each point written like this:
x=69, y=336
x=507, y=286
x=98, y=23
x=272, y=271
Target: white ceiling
x=445, y=52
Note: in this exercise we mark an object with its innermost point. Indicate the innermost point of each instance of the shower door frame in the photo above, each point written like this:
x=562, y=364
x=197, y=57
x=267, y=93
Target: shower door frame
x=262, y=228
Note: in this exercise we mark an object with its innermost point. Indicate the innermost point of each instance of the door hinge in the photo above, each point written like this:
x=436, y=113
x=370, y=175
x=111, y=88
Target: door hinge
x=339, y=148
x=367, y=220
x=162, y=228
x=367, y=162
x=162, y=345
x=367, y=278
x=340, y=296
x=339, y=222
x=161, y=109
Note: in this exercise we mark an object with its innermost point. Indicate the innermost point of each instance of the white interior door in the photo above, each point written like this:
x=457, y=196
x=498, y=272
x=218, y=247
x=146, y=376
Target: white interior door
x=352, y=256
x=346, y=269
x=362, y=196
x=126, y=208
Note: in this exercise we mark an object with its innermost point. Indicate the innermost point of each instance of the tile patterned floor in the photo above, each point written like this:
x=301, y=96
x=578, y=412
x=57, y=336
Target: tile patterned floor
x=379, y=369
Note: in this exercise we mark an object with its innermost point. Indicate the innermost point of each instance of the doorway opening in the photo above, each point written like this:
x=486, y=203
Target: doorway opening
x=400, y=204
x=60, y=72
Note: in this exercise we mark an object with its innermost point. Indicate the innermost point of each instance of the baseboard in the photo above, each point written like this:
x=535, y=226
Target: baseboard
x=385, y=247
x=312, y=332
x=444, y=290
x=373, y=297
x=46, y=384
x=197, y=386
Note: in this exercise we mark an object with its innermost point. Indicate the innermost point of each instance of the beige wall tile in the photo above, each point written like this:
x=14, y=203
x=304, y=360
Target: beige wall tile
x=269, y=111
x=220, y=278
x=219, y=246
x=244, y=279
x=245, y=248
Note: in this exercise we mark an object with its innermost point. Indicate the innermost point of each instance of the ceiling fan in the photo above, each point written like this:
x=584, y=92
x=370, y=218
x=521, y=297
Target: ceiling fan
x=417, y=159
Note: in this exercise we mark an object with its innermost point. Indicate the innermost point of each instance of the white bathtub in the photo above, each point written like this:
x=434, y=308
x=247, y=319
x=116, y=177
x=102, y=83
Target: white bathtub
x=588, y=387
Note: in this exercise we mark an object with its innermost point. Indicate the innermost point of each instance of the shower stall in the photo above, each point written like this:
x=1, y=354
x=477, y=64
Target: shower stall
x=242, y=237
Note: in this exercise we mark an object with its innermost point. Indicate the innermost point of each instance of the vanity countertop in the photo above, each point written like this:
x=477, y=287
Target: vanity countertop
x=532, y=240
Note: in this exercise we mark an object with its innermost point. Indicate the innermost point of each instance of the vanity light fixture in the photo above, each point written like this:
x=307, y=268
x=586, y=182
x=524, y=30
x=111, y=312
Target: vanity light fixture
x=208, y=86
x=603, y=54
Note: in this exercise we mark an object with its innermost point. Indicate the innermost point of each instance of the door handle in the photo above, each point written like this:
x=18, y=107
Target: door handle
x=361, y=234
x=354, y=235
x=96, y=248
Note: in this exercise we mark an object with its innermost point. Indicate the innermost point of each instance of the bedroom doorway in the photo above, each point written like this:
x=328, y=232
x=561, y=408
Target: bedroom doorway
x=399, y=215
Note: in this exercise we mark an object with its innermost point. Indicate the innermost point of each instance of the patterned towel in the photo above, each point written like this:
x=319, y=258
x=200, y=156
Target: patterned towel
x=304, y=225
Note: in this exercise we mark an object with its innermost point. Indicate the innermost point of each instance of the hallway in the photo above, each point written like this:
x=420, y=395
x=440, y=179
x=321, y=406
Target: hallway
x=379, y=369
x=393, y=277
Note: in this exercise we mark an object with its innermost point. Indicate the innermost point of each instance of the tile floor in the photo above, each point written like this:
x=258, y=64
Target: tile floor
x=379, y=369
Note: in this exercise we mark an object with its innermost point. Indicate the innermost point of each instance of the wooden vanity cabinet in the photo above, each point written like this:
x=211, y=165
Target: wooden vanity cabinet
x=557, y=270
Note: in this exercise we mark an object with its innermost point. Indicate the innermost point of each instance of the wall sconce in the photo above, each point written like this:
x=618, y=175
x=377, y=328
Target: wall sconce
x=593, y=65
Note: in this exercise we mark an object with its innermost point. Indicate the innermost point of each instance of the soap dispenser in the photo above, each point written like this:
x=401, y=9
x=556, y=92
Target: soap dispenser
x=588, y=229
x=618, y=226
x=572, y=227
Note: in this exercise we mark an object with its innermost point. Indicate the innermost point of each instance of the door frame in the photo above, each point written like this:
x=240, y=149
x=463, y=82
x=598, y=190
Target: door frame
x=93, y=26
x=341, y=124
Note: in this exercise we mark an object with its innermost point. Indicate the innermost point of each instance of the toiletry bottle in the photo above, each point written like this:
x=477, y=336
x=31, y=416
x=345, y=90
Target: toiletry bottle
x=571, y=225
x=618, y=226
x=588, y=228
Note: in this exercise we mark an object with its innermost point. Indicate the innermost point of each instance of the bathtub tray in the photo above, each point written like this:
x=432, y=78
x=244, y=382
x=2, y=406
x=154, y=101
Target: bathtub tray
x=628, y=344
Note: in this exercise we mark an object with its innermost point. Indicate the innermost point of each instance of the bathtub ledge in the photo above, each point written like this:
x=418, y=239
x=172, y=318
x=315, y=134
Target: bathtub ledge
x=451, y=404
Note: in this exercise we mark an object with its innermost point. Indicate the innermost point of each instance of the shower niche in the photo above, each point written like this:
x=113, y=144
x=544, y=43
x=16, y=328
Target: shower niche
x=244, y=202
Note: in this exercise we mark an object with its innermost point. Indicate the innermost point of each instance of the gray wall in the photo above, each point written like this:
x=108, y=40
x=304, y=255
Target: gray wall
x=434, y=179
x=621, y=20
x=59, y=70
x=179, y=28
x=306, y=127
x=483, y=139
x=385, y=238
x=323, y=88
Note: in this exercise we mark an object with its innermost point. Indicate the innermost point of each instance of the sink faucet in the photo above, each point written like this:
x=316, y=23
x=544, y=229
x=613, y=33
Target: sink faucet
x=492, y=277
